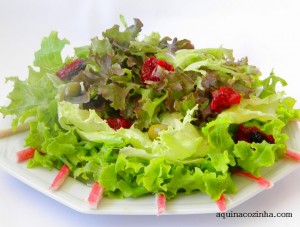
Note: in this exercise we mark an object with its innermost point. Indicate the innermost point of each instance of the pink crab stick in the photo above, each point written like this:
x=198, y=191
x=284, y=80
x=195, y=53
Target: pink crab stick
x=95, y=195
x=292, y=154
x=60, y=178
x=260, y=180
x=221, y=203
x=161, y=204
x=25, y=154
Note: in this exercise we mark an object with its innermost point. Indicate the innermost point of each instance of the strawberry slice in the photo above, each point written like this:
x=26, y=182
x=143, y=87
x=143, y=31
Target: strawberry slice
x=161, y=204
x=292, y=155
x=95, y=195
x=221, y=203
x=260, y=180
x=60, y=178
x=25, y=154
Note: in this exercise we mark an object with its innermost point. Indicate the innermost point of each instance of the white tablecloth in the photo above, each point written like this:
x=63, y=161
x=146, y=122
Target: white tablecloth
x=266, y=31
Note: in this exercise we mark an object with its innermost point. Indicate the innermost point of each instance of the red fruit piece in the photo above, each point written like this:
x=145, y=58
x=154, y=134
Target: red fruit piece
x=252, y=134
x=71, y=69
x=149, y=69
x=224, y=98
x=119, y=122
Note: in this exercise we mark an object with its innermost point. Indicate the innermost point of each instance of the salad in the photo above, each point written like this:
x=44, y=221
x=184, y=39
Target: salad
x=137, y=116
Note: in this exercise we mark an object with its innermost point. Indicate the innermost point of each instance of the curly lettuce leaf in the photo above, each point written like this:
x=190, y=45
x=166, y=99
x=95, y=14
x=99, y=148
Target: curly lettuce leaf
x=133, y=177
x=181, y=141
x=150, y=106
x=253, y=108
x=253, y=157
x=72, y=116
x=192, y=58
x=243, y=77
x=53, y=145
x=87, y=124
x=48, y=59
x=39, y=89
x=269, y=85
x=122, y=38
x=27, y=98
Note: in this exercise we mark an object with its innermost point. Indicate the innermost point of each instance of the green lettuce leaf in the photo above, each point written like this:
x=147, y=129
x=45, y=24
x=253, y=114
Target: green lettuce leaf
x=253, y=108
x=87, y=123
x=72, y=116
x=151, y=106
x=253, y=157
x=48, y=59
x=39, y=89
x=269, y=85
x=132, y=177
x=181, y=141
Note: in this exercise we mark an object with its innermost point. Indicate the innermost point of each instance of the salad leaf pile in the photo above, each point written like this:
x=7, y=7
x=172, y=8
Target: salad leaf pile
x=69, y=103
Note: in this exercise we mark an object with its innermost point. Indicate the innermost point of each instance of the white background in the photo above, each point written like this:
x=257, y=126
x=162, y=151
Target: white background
x=265, y=31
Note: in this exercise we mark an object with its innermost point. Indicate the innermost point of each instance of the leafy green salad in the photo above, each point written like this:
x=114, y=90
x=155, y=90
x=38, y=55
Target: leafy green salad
x=150, y=115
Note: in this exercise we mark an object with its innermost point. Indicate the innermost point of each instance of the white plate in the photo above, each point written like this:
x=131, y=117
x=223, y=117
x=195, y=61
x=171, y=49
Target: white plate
x=74, y=194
